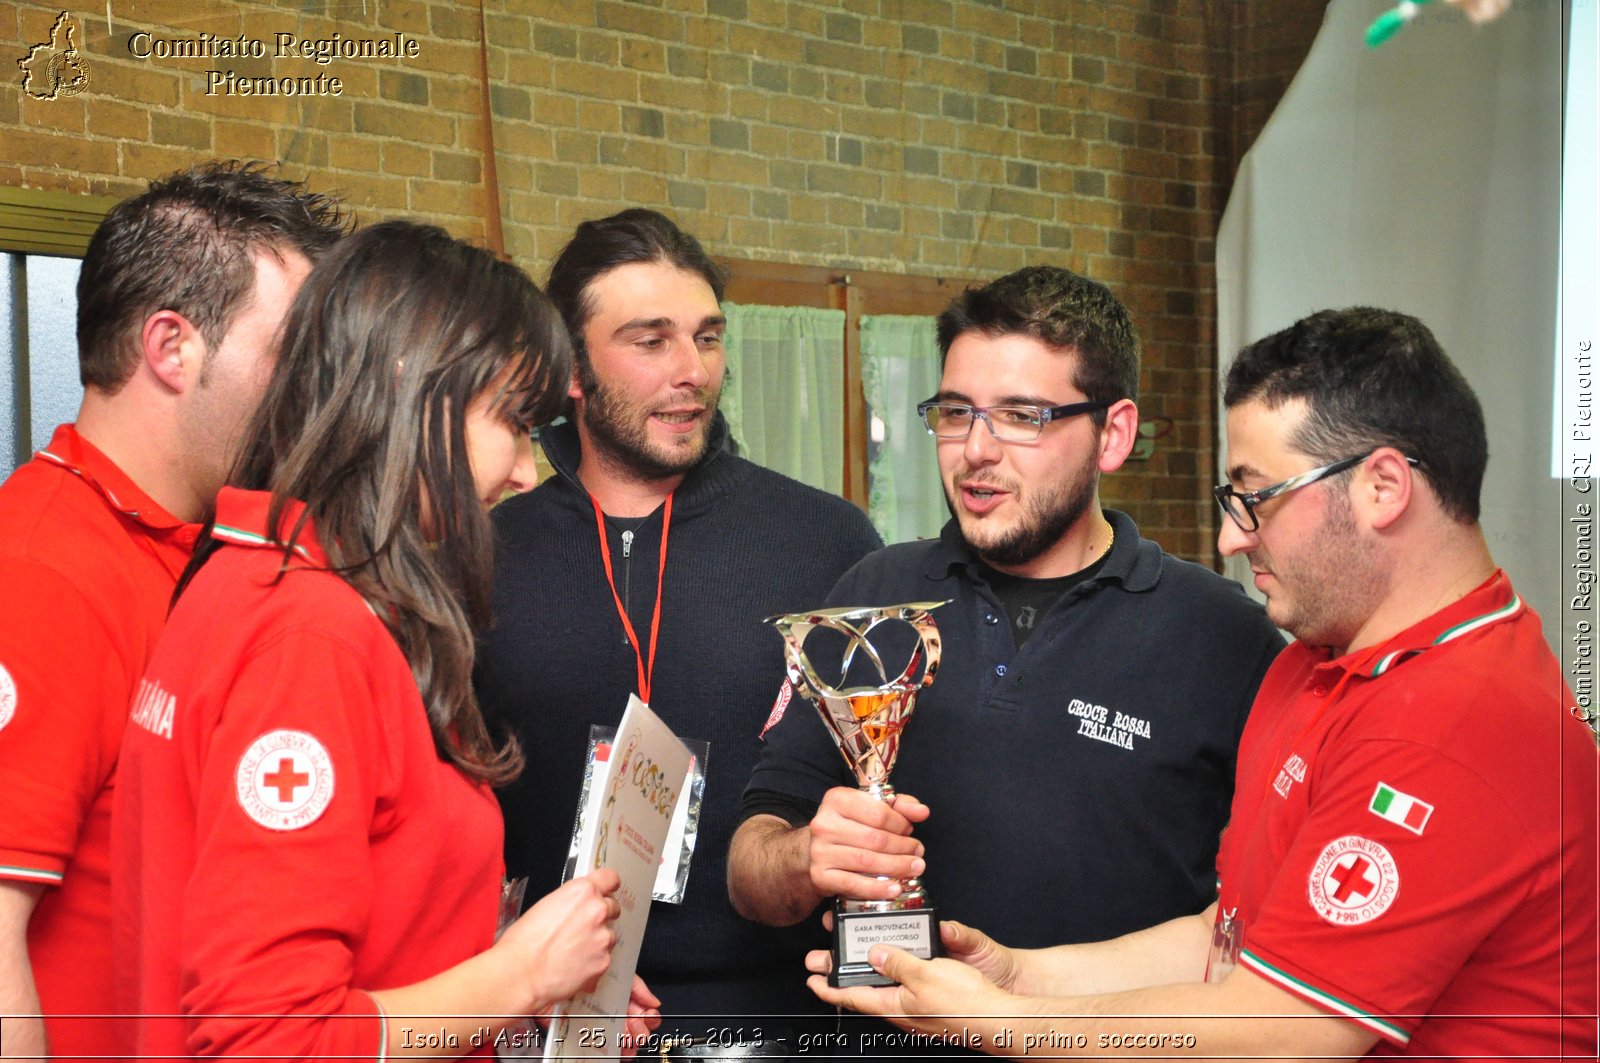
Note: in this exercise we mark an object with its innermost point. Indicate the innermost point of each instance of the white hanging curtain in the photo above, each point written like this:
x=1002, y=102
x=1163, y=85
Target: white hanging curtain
x=784, y=396
x=900, y=368
x=1424, y=176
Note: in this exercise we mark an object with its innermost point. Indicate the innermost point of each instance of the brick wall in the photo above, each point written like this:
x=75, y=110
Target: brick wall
x=920, y=136
x=1269, y=44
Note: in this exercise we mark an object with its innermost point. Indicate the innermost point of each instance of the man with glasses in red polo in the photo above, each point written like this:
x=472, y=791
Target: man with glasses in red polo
x=1410, y=865
x=1073, y=762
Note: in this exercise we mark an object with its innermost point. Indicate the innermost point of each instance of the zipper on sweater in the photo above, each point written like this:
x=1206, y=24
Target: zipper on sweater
x=627, y=572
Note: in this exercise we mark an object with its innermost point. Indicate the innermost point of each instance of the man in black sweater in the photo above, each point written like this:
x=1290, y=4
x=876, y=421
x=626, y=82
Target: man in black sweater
x=720, y=544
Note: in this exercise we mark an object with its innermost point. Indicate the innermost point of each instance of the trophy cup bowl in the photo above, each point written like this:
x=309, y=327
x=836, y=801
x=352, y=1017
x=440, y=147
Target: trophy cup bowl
x=866, y=723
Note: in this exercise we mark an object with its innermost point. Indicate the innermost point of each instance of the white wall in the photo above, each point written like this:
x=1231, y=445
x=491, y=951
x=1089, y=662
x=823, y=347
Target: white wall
x=1424, y=176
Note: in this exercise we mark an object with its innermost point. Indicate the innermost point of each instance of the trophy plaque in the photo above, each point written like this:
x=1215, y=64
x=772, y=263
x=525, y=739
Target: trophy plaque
x=866, y=723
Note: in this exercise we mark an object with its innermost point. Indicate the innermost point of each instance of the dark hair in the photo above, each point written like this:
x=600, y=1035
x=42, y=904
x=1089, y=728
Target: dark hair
x=395, y=333
x=188, y=245
x=1062, y=310
x=599, y=246
x=1372, y=378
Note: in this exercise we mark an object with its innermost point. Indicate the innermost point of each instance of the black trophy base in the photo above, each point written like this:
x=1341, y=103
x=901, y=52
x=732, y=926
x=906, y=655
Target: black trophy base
x=854, y=933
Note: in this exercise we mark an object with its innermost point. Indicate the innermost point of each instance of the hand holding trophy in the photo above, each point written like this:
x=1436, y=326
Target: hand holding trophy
x=866, y=723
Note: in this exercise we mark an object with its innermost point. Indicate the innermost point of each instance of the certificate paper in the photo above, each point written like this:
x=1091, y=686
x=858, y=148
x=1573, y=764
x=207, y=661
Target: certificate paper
x=673, y=879
x=627, y=821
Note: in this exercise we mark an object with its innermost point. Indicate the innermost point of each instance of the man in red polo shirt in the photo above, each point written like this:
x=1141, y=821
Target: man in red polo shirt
x=180, y=298
x=1410, y=865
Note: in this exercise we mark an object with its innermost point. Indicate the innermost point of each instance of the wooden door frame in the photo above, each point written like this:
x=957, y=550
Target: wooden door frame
x=857, y=293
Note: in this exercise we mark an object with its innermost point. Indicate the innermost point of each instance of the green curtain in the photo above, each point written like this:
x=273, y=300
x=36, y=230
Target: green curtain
x=900, y=368
x=784, y=393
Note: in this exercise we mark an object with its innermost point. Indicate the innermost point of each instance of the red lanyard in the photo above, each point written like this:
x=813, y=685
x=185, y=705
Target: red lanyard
x=646, y=668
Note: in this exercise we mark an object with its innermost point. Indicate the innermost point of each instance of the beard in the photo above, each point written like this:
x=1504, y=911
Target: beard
x=1045, y=516
x=619, y=428
x=1331, y=587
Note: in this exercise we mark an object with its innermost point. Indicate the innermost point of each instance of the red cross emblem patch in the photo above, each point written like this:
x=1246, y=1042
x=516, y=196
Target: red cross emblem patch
x=285, y=780
x=8, y=696
x=1354, y=880
x=785, y=692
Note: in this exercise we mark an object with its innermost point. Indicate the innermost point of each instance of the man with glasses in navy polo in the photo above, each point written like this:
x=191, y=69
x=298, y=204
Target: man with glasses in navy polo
x=1410, y=865
x=1072, y=764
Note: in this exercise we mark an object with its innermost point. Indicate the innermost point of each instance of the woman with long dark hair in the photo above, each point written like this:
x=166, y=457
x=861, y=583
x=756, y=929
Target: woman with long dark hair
x=308, y=850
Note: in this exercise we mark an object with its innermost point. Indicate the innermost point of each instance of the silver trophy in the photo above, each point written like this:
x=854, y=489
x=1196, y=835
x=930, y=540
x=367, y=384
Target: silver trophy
x=866, y=723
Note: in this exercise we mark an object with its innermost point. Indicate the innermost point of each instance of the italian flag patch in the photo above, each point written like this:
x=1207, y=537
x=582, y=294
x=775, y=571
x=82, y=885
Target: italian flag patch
x=1410, y=812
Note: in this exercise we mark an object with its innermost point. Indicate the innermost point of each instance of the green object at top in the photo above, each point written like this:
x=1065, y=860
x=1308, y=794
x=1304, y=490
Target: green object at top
x=1391, y=21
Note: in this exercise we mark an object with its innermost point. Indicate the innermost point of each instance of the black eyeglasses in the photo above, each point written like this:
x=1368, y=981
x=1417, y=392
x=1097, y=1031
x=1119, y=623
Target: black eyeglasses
x=1242, y=507
x=1009, y=424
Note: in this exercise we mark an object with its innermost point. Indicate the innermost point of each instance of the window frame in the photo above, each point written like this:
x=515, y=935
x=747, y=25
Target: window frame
x=857, y=293
x=38, y=222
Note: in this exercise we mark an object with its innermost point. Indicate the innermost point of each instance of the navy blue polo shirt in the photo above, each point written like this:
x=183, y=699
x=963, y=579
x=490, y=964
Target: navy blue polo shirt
x=1078, y=786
